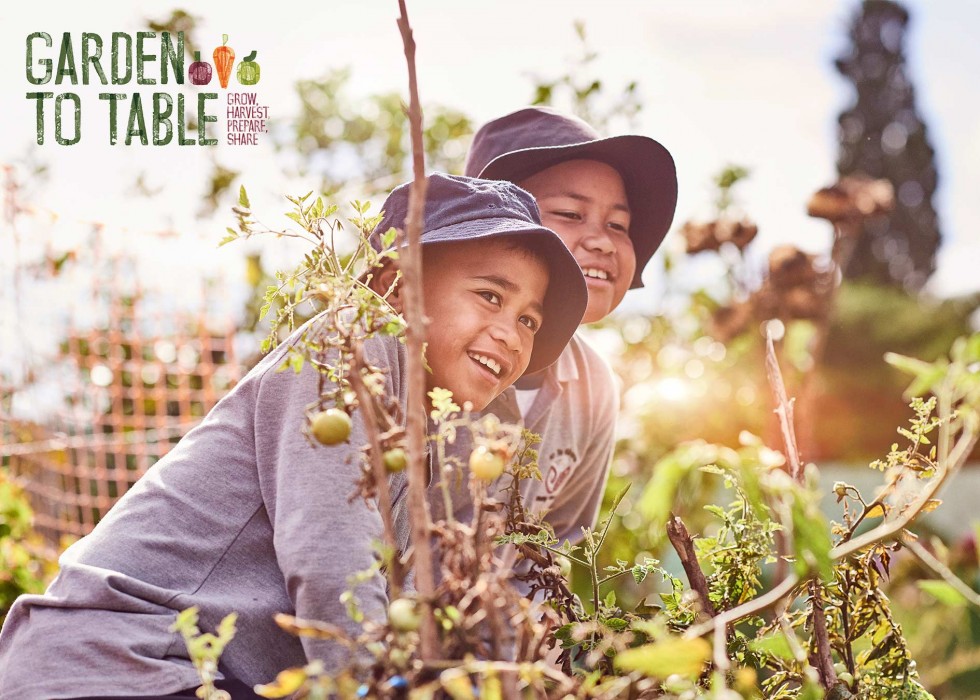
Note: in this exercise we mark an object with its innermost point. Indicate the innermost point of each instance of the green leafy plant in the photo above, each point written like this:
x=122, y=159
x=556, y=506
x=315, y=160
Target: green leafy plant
x=205, y=649
x=26, y=562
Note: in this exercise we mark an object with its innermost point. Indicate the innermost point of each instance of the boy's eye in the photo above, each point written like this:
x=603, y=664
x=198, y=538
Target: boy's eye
x=531, y=323
x=616, y=226
x=572, y=215
x=492, y=297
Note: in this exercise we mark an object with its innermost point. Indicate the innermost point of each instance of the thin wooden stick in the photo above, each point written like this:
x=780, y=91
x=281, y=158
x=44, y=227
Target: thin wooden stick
x=751, y=607
x=822, y=659
x=930, y=562
x=890, y=530
x=784, y=409
x=411, y=263
x=683, y=544
x=397, y=574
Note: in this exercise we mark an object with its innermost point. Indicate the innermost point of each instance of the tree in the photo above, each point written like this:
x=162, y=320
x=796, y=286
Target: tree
x=883, y=136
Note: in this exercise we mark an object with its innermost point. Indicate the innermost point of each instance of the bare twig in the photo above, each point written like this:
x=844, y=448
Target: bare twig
x=821, y=659
x=889, y=530
x=411, y=264
x=378, y=468
x=751, y=607
x=683, y=544
x=937, y=567
x=784, y=409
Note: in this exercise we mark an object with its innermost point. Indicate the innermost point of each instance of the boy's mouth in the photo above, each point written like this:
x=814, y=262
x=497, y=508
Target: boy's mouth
x=601, y=274
x=492, y=365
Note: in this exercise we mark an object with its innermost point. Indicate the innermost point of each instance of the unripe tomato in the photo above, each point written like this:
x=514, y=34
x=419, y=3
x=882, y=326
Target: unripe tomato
x=485, y=464
x=564, y=566
x=745, y=680
x=403, y=615
x=395, y=460
x=331, y=427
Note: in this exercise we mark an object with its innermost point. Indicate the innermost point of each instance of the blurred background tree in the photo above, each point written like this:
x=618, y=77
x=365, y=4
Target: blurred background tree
x=883, y=136
x=360, y=144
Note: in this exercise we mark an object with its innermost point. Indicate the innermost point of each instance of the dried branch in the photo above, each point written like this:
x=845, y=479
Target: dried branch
x=944, y=572
x=784, y=409
x=411, y=263
x=683, y=544
x=397, y=574
x=889, y=530
x=723, y=619
x=821, y=659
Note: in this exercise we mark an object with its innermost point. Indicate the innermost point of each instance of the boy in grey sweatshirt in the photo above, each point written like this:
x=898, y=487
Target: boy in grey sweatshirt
x=611, y=200
x=247, y=515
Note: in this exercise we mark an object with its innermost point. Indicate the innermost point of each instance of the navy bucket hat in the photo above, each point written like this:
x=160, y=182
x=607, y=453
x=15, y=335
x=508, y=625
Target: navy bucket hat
x=459, y=208
x=527, y=141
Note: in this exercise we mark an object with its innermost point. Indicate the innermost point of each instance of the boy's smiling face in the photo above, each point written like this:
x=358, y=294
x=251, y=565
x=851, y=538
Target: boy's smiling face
x=584, y=202
x=484, y=299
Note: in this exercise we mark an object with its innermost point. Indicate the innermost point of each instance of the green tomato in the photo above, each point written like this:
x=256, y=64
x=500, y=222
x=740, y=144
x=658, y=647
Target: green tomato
x=564, y=567
x=331, y=427
x=395, y=460
x=403, y=615
x=485, y=464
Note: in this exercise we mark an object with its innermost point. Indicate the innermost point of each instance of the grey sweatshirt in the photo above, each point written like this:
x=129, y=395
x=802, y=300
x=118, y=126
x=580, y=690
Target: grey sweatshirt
x=243, y=515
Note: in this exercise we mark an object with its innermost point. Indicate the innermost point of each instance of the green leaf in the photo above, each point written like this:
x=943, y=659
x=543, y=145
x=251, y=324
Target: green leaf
x=944, y=593
x=811, y=541
x=232, y=236
x=685, y=657
x=810, y=691
x=774, y=645
x=388, y=237
x=243, y=198
x=657, y=499
x=295, y=216
x=616, y=624
x=927, y=374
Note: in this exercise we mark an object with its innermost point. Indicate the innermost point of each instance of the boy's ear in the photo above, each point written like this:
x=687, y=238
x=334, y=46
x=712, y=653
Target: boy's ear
x=384, y=279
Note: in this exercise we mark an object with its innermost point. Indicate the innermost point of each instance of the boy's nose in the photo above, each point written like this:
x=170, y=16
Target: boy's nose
x=598, y=240
x=506, y=333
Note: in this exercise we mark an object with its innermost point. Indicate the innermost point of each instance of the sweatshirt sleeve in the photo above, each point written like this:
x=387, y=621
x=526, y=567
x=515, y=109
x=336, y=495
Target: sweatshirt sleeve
x=324, y=533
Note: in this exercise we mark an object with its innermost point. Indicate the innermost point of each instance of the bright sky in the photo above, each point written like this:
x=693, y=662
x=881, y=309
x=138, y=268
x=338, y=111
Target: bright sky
x=748, y=83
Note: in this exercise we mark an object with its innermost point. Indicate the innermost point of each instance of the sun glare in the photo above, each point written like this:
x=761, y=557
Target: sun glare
x=672, y=389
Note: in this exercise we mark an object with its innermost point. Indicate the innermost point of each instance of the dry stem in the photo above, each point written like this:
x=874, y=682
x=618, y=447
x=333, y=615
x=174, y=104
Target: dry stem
x=822, y=658
x=411, y=264
x=683, y=544
x=369, y=418
x=784, y=410
x=889, y=530
x=940, y=569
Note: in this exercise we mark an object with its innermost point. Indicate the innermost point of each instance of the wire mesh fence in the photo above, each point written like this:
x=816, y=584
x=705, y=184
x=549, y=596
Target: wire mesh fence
x=134, y=396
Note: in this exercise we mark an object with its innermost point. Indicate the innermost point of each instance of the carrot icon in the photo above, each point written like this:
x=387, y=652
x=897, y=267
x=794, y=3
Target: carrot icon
x=224, y=59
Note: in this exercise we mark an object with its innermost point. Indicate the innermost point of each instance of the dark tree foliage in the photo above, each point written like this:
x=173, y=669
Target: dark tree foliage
x=883, y=136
